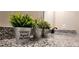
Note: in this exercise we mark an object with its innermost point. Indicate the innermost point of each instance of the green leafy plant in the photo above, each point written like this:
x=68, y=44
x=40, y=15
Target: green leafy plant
x=19, y=20
x=35, y=23
x=43, y=24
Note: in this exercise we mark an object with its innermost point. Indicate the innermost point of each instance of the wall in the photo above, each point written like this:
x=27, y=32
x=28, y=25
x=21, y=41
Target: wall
x=49, y=17
x=4, y=16
x=67, y=20
x=64, y=20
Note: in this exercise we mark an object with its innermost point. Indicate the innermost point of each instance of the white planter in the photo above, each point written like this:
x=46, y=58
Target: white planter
x=22, y=34
x=46, y=31
x=38, y=32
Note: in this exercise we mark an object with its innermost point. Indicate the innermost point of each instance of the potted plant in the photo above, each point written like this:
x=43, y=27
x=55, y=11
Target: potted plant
x=45, y=28
x=42, y=28
x=23, y=25
x=35, y=30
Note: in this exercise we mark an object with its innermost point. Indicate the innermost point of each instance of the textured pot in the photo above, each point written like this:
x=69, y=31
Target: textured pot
x=22, y=34
x=36, y=33
x=44, y=33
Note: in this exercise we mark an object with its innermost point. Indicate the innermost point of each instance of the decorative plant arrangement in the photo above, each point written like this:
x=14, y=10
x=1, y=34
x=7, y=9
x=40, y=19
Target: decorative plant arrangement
x=35, y=29
x=25, y=26
x=44, y=26
x=40, y=28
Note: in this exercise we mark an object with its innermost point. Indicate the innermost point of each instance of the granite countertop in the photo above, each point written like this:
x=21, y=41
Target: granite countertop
x=54, y=40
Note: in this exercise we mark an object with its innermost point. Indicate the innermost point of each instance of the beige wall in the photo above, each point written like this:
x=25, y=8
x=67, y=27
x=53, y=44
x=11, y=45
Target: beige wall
x=49, y=17
x=65, y=20
x=4, y=16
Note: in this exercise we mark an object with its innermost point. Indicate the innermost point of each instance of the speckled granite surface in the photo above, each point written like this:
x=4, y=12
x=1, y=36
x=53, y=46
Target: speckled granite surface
x=7, y=33
x=54, y=40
